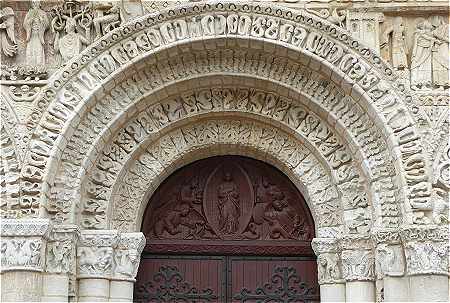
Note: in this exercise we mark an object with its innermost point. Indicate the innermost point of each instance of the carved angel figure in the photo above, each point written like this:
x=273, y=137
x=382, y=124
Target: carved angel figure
x=35, y=23
x=9, y=47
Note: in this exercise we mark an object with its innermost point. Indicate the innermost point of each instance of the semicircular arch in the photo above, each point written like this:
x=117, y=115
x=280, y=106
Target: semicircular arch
x=323, y=45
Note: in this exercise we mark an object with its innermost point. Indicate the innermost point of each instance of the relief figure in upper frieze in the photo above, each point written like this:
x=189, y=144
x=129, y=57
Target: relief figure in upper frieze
x=393, y=41
x=35, y=24
x=421, y=55
x=440, y=53
x=71, y=43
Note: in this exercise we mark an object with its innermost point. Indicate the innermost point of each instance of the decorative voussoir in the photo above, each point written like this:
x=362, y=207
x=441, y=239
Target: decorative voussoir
x=23, y=244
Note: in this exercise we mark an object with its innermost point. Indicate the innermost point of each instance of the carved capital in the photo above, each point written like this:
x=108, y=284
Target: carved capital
x=426, y=249
x=61, y=249
x=127, y=255
x=95, y=253
x=358, y=265
x=328, y=260
x=23, y=244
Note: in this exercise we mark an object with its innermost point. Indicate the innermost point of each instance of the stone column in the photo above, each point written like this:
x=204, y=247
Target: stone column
x=358, y=267
x=427, y=262
x=22, y=254
x=332, y=285
x=390, y=265
x=60, y=264
x=95, y=264
x=127, y=257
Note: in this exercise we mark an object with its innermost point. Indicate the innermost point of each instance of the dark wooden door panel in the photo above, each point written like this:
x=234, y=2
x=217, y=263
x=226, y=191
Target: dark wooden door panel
x=181, y=279
x=226, y=279
x=253, y=279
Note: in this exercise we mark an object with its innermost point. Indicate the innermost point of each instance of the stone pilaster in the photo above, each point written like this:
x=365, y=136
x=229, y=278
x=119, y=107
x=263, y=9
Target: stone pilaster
x=332, y=284
x=390, y=265
x=427, y=261
x=358, y=264
x=95, y=257
x=23, y=244
x=127, y=256
x=59, y=280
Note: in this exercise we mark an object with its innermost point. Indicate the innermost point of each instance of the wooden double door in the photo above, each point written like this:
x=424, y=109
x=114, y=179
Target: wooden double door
x=227, y=229
x=226, y=279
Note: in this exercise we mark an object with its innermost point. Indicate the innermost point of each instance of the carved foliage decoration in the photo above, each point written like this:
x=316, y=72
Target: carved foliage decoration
x=228, y=198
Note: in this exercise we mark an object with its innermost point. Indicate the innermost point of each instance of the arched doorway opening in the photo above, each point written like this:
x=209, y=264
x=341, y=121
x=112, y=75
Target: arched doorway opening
x=227, y=229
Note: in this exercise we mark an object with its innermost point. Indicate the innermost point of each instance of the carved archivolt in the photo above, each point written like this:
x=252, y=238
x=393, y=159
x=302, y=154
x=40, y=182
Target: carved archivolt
x=248, y=137
x=358, y=71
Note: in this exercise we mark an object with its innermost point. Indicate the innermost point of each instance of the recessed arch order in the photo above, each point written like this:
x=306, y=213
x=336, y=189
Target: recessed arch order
x=308, y=60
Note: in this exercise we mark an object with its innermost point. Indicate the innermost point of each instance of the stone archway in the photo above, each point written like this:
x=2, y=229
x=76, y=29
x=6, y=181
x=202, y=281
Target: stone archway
x=110, y=113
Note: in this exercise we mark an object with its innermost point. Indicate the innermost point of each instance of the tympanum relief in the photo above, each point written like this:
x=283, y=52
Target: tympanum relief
x=231, y=198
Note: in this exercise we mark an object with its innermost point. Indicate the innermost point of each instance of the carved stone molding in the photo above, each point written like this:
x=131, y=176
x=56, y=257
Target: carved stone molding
x=95, y=253
x=61, y=249
x=23, y=244
x=127, y=255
